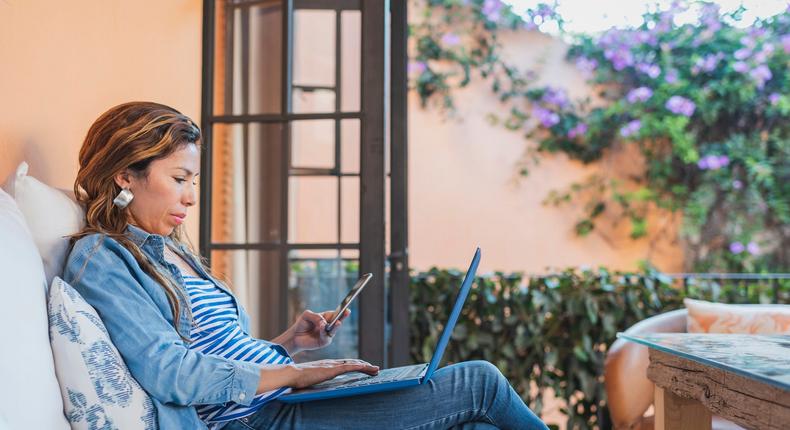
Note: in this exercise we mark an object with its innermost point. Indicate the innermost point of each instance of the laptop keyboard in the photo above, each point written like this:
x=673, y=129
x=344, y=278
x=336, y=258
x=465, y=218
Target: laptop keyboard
x=357, y=379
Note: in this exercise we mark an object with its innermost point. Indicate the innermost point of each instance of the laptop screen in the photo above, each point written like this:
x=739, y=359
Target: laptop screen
x=466, y=285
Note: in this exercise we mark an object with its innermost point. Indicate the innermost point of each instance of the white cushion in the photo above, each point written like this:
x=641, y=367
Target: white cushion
x=98, y=390
x=29, y=394
x=51, y=215
x=708, y=317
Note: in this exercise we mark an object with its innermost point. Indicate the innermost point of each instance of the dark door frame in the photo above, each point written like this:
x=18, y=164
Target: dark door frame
x=383, y=309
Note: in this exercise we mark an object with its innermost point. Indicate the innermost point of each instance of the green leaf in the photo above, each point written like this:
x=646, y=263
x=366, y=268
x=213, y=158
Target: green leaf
x=580, y=353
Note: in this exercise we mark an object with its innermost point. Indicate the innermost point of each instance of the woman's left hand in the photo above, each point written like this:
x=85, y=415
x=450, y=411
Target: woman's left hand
x=309, y=331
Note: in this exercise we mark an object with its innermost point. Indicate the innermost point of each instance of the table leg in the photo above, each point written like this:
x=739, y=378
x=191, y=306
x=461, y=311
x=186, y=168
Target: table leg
x=677, y=413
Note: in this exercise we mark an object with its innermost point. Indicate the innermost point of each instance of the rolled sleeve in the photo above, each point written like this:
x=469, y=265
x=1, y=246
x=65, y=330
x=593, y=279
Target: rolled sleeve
x=245, y=382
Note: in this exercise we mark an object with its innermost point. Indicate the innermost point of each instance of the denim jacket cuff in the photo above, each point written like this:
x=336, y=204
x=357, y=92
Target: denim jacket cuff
x=246, y=377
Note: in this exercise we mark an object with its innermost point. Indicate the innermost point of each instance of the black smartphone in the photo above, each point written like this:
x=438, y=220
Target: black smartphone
x=348, y=299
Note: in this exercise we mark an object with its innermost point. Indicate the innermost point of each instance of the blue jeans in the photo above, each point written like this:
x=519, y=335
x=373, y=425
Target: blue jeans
x=468, y=395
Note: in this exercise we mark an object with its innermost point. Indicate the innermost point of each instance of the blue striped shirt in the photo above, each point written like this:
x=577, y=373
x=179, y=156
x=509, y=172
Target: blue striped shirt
x=216, y=331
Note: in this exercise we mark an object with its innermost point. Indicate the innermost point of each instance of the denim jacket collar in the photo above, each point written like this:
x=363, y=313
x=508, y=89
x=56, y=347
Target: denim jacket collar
x=154, y=245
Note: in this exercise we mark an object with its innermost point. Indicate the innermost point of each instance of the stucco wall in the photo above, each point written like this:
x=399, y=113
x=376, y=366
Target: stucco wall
x=465, y=189
x=62, y=65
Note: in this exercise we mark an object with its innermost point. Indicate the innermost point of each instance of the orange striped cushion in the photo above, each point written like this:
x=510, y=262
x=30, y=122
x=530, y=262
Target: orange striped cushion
x=707, y=317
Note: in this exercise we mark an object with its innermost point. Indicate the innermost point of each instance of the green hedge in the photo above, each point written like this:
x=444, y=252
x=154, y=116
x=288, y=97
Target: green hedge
x=554, y=331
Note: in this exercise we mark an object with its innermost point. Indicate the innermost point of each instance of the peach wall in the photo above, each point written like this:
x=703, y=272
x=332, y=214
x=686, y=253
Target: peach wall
x=62, y=65
x=465, y=190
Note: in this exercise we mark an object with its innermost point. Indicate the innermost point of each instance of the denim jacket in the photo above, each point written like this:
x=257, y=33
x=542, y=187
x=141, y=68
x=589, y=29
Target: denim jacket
x=137, y=315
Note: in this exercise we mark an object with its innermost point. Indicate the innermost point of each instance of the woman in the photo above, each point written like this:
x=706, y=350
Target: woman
x=183, y=334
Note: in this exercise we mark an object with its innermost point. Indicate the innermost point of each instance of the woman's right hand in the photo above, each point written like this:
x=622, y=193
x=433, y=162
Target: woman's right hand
x=313, y=372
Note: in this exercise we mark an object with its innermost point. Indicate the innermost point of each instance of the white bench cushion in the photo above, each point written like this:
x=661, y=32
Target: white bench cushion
x=51, y=215
x=29, y=392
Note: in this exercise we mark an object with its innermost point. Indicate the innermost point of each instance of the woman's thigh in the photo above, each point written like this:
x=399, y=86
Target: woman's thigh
x=462, y=393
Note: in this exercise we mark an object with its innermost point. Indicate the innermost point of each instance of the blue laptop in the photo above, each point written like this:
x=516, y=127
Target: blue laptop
x=356, y=383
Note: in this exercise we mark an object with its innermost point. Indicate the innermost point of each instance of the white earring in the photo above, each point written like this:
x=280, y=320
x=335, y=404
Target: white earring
x=123, y=198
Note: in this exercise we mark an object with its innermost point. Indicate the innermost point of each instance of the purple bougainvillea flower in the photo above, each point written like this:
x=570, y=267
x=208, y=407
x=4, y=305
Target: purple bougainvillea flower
x=586, y=65
x=640, y=94
x=544, y=11
x=757, y=32
x=737, y=185
x=546, y=117
x=664, y=23
x=774, y=98
x=671, y=76
x=492, y=9
x=646, y=37
x=713, y=162
x=620, y=56
x=753, y=248
x=707, y=63
x=742, y=54
x=529, y=25
x=709, y=17
x=740, y=67
x=748, y=41
x=450, y=39
x=680, y=106
x=649, y=69
x=761, y=74
x=555, y=96
x=786, y=42
x=612, y=37
x=736, y=247
x=764, y=53
x=631, y=128
x=578, y=130
x=416, y=67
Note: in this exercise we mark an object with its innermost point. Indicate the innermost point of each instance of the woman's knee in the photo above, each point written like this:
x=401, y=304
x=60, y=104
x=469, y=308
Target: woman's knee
x=486, y=371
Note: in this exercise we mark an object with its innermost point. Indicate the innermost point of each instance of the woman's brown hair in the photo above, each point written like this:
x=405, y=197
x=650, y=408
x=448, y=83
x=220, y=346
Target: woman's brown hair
x=129, y=137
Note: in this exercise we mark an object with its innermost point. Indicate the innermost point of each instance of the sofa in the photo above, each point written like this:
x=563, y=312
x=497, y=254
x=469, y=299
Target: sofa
x=30, y=396
x=58, y=367
x=629, y=392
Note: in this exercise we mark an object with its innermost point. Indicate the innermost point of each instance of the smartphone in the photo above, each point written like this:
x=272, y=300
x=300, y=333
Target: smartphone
x=348, y=299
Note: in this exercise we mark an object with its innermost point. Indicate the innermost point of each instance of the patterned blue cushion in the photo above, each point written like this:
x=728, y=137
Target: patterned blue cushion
x=98, y=391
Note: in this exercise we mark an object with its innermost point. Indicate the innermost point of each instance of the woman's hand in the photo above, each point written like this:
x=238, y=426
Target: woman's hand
x=306, y=374
x=313, y=372
x=309, y=331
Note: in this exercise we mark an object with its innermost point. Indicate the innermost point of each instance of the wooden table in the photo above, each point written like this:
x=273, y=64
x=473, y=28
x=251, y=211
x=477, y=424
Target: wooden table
x=743, y=378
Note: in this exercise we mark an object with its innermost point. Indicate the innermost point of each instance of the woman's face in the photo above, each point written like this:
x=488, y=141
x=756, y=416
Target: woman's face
x=161, y=199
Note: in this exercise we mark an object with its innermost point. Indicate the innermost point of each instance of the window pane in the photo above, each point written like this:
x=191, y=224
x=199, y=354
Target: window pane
x=349, y=141
x=246, y=186
x=349, y=226
x=313, y=144
x=351, y=60
x=249, y=60
x=318, y=280
x=314, y=47
x=313, y=209
x=253, y=276
x=313, y=100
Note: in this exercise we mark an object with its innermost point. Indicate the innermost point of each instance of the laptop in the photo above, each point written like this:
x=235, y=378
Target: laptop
x=357, y=383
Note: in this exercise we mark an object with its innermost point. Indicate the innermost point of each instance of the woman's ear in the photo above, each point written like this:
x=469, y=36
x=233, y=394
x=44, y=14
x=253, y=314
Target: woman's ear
x=123, y=179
